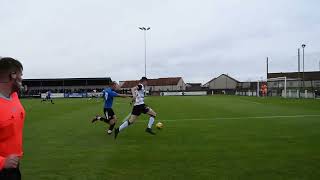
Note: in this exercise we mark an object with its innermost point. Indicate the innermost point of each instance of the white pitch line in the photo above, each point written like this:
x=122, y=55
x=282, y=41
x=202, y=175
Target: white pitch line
x=252, y=117
x=230, y=118
x=254, y=102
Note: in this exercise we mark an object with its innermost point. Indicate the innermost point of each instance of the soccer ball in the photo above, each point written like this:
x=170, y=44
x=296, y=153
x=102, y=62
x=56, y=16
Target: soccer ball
x=159, y=125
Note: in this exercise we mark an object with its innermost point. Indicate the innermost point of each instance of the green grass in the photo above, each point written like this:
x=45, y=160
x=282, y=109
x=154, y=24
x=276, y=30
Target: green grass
x=213, y=137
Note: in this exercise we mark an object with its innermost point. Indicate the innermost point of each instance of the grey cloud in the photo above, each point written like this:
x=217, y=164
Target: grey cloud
x=193, y=39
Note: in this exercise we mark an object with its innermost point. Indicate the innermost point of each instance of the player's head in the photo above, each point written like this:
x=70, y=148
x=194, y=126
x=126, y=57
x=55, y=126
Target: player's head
x=114, y=85
x=11, y=73
x=144, y=81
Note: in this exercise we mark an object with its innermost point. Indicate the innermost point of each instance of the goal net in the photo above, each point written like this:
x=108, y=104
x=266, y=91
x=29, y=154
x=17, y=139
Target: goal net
x=284, y=87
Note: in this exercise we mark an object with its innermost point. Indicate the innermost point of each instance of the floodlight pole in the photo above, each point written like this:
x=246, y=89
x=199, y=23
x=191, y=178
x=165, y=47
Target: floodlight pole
x=303, y=46
x=267, y=67
x=145, y=29
x=299, y=80
x=285, y=87
x=258, y=88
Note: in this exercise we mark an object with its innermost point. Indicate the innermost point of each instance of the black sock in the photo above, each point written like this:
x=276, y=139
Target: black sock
x=112, y=126
x=104, y=119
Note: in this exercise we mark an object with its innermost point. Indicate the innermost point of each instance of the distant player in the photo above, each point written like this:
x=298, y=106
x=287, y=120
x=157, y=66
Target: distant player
x=109, y=115
x=317, y=93
x=264, y=90
x=48, y=97
x=138, y=108
x=94, y=95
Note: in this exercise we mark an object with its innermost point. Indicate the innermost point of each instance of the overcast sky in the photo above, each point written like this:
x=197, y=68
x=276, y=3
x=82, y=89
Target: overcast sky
x=195, y=39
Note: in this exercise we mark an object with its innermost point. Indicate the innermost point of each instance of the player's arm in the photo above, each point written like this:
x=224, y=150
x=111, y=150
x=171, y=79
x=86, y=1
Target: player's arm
x=123, y=95
x=134, y=89
x=11, y=161
x=115, y=94
x=2, y=160
x=104, y=95
x=6, y=131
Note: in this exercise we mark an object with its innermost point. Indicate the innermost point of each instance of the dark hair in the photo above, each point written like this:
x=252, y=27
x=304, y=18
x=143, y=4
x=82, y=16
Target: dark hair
x=143, y=79
x=112, y=83
x=9, y=65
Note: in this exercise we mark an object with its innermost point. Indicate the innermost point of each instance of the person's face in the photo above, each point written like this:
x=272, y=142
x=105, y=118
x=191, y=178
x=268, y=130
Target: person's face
x=144, y=83
x=115, y=86
x=16, y=80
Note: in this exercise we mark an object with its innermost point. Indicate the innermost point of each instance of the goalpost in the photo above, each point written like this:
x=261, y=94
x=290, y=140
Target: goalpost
x=277, y=79
x=285, y=93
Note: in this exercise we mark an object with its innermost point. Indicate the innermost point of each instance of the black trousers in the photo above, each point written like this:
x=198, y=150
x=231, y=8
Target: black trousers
x=10, y=174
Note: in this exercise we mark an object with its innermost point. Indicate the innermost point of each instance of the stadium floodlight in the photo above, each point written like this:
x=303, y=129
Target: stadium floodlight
x=303, y=46
x=145, y=29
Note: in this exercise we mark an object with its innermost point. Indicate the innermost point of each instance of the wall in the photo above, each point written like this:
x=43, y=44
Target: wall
x=223, y=82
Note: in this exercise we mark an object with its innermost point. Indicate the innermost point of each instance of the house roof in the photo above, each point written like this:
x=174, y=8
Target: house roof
x=194, y=84
x=66, y=81
x=220, y=76
x=310, y=75
x=70, y=79
x=170, y=81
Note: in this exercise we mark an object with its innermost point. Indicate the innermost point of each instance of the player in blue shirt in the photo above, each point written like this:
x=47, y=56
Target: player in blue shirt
x=48, y=97
x=108, y=95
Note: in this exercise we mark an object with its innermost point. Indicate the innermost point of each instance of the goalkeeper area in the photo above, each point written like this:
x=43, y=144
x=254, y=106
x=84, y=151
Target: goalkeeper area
x=289, y=88
x=204, y=137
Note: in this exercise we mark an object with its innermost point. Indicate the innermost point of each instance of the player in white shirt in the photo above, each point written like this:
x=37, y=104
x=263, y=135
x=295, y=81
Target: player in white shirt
x=138, y=108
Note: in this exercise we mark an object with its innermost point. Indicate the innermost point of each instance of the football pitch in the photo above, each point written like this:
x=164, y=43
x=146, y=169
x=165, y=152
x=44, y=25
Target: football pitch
x=210, y=137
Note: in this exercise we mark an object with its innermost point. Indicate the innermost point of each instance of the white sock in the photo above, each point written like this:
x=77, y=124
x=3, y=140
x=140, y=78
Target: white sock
x=151, y=121
x=123, y=125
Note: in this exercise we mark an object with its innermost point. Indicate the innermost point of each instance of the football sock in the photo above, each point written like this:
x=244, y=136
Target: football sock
x=151, y=121
x=124, y=125
x=112, y=126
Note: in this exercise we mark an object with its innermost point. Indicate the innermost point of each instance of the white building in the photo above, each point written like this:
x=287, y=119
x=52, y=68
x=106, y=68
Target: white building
x=222, y=84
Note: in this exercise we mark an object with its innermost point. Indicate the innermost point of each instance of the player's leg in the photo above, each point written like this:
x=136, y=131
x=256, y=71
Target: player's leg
x=112, y=123
x=152, y=115
x=104, y=119
x=125, y=124
x=136, y=112
x=10, y=174
x=128, y=122
x=44, y=99
x=51, y=100
x=112, y=120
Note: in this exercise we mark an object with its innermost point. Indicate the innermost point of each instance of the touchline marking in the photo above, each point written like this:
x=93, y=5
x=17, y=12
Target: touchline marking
x=236, y=118
x=252, y=117
x=254, y=102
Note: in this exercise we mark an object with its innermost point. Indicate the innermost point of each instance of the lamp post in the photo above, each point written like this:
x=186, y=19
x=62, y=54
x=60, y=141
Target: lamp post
x=303, y=46
x=145, y=29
